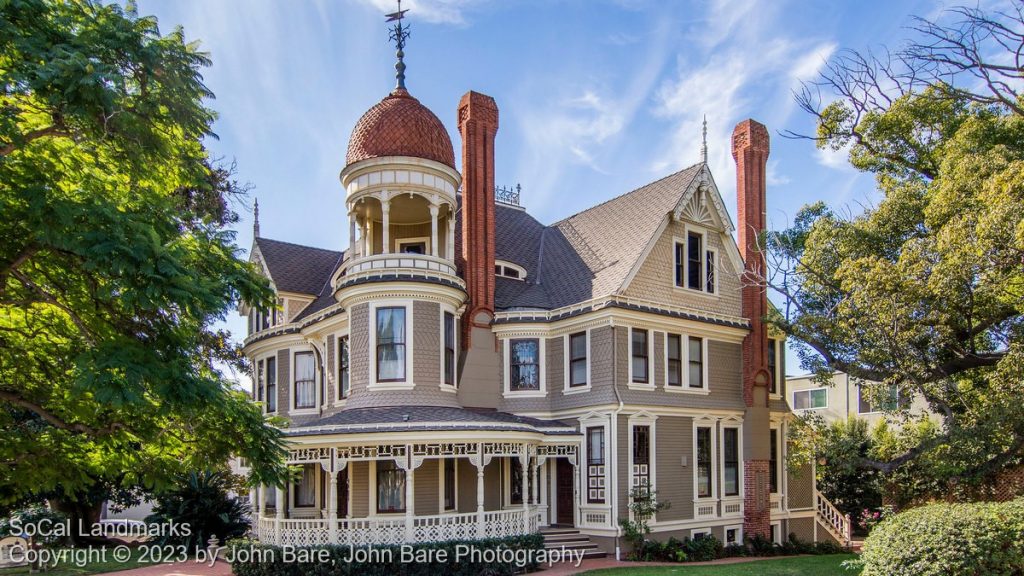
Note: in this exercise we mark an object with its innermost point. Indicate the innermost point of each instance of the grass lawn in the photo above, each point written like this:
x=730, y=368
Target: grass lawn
x=800, y=566
x=67, y=569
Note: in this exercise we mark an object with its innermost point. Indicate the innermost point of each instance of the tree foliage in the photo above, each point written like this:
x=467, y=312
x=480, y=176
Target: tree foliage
x=200, y=501
x=115, y=261
x=925, y=290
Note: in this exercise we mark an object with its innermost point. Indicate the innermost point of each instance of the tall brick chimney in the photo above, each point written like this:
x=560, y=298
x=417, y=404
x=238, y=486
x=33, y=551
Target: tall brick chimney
x=750, y=150
x=478, y=124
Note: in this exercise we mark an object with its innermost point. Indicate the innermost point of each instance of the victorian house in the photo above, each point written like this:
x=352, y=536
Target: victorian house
x=462, y=370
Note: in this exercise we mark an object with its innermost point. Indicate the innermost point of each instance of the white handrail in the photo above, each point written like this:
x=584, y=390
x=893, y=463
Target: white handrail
x=838, y=524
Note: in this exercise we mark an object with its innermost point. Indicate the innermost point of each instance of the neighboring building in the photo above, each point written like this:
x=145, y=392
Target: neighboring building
x=844, y=397
x=463, y=370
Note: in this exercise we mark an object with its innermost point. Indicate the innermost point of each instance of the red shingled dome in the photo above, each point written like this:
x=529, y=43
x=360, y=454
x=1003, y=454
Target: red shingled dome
x=400, y=126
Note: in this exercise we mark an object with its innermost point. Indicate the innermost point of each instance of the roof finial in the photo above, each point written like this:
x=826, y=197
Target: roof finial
x=256, y=218
x=399, y=34
x=704, y=142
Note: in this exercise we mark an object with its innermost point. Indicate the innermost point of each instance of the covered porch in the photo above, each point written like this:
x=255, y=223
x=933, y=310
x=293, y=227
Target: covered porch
x=419, y=491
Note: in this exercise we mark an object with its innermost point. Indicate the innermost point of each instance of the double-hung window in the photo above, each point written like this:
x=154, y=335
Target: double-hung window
x=449, y=348
x=773, y=365
x=516, y=482
x=642, y=457
x=694, y=253
x=272, y=384
x=305, y=491
x=578, y=359
x=305, y=380
x=595, y=465
x=773, y=460
x=391, y=344
x=695, y=359
x=730, y=461
x=524, y=364
x=343, y=369
x=260, y=380
x=675, y=360
x=695, y=264
x=639, y=353
x=810, y=399
x=704, y=462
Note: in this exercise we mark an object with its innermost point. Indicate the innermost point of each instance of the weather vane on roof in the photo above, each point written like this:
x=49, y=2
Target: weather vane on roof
x=704, y=141
x=399, y=34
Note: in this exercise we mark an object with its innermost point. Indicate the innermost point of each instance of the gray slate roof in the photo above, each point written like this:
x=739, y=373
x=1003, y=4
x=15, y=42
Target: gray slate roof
x=426, y=418
x=297, y=268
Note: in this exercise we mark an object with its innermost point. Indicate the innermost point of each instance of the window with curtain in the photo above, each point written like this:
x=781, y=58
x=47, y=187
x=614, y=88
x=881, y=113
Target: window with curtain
x=391, y=344
x=595, y=465
x=524, y=364
x=695, y=358
x=703, y=462
x=694, y=251
x=390, y=487
x=305, y=490
x=639, y=355
x=272, y=384
x=449, y=348
x=675, y=360
x=730, y=462
x=343, y=371
x=305, y=380
x=270, y=496
x=578, y=359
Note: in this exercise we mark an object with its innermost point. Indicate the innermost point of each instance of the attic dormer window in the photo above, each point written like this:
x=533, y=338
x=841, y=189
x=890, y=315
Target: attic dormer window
x=509, y=270
x=695, y=264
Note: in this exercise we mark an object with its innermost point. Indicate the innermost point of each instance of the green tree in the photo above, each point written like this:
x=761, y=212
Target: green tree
x=200, y=501
x=850, y=487
x=925, y=290
x=115, y=260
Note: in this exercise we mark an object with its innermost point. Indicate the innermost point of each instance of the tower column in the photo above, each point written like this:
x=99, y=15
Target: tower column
x=351, y=234
x=434, y=209
x=450, y=224
x=385, y=225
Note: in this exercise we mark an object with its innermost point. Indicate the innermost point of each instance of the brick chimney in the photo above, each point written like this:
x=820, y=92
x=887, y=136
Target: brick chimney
x=478, y=124
x=750, y=150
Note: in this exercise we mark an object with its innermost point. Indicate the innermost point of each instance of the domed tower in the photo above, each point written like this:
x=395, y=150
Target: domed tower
x=399, y=280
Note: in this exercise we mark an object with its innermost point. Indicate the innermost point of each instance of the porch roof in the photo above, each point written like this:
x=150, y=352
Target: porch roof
x=427, y=418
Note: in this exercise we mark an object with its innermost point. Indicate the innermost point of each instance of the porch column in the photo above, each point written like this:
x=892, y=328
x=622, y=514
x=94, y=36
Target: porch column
x=282, y=500
x=546, y=520
x=263, y=500
x=410, y=504
x=479, y=462
x=450, y=223
x=385, y=209
x=332, y=508
x=576, y=468
x=433, y=230
x=524, y=465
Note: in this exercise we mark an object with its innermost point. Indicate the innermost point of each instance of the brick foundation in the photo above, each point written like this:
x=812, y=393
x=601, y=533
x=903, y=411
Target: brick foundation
x=756, y=499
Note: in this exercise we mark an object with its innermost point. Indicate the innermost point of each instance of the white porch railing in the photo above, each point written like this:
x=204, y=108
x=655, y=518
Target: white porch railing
x=837, y=523
x=415, y=264
x=382, y=531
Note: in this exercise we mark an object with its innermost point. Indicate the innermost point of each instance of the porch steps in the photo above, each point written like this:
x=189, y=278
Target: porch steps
x=571, y=539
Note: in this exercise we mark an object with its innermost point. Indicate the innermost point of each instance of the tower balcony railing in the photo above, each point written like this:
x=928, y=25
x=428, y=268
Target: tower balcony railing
x=398, y=264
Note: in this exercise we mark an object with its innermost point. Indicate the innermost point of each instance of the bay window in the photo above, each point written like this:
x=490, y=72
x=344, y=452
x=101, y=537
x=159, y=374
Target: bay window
x=578, y=359
x=305, y=380
x=704, y=462
x=595, y=465
x=524, y=364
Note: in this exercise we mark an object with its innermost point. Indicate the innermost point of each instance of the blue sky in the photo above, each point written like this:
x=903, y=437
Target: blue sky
x=596, y=97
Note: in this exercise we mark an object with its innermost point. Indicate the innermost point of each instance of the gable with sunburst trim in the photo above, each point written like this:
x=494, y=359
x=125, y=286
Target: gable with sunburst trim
x=702, y=204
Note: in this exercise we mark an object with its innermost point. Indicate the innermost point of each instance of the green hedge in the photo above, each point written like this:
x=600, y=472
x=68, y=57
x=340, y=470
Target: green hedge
x=948, y=539
x=250, y=558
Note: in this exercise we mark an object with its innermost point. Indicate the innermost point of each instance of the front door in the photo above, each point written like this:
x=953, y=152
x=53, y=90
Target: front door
x=343, y=493
x=564, y=496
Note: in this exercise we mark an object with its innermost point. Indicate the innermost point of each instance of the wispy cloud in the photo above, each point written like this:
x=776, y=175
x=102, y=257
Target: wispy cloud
x=433, y=11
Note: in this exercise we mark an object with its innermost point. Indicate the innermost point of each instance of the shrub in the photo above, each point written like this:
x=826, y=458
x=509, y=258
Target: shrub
x=338, y=565
x=941, y=539
x=702, y=549
x=201, y=502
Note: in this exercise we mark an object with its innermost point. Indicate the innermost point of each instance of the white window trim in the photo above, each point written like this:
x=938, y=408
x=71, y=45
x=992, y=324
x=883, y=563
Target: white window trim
x=542, y=368
x=713, y=424
x=587, y=422
x=778, y=531
x=440, y=484
x=408, y=383
x=649, y=385
x=338, y=400
x=266, y=399
x=738, y=426
x=706, y=389
x=373, y=490
x=780, y=378
x=454, y=386
x=739, y=534
x=291, y=383
x=684, y=359
x=696, y=531
x=399, y=242
x=567, y=387
x=503, y=264
x=643, y=419
x=808, y=391
x=704, y=233
x=780, y=467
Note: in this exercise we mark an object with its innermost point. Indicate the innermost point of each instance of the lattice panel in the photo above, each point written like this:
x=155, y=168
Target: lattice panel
x=595, y=483
x=309, y=455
